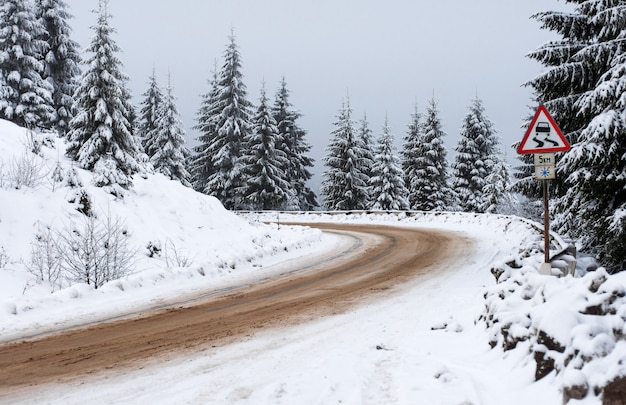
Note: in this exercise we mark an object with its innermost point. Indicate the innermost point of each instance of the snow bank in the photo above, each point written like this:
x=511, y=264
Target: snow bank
x=574, y=328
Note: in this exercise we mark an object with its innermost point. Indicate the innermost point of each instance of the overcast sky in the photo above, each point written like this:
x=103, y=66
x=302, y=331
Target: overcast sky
x=387, y=55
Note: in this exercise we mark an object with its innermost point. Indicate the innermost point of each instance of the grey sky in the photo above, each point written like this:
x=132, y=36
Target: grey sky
x=387, y=55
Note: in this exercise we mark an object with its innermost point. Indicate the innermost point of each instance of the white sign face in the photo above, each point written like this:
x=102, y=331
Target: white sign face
x=544, y=159
x=545, y=172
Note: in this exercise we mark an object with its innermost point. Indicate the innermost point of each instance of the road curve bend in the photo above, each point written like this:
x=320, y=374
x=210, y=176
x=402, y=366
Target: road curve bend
x=377, y=260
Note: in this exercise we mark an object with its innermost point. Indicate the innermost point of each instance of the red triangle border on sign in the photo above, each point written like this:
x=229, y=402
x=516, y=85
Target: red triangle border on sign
x=522, y=146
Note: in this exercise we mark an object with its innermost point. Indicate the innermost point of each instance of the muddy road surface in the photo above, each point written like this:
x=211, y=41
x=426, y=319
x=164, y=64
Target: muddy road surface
x=374, y=261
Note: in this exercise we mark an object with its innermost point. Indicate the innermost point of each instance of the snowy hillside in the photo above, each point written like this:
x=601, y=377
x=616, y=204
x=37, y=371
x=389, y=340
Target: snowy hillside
x=492, y=331
x=192, y=239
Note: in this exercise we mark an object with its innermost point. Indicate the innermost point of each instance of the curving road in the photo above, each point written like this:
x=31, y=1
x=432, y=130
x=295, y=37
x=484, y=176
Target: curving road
x=376, y=260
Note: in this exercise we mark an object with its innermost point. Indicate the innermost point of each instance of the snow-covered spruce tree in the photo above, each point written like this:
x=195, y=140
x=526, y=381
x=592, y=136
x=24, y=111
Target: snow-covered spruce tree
x=365, y=133
x=295, y=146
x=344, y=184
x=474, y=160
x=568, y=74
x=100, y=136
x=596, y=190
x=232, y=125
x=411, y=158
x=387, y=182
x=170, y=153
x=262, y=164
x=430, y=166
x=201, y=162
x=585, y=78
x=61, y=61
x=496, y=197
x=25, y=96
x=146, y=130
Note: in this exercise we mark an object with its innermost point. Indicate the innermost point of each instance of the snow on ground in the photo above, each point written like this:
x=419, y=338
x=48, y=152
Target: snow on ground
x=429, y=343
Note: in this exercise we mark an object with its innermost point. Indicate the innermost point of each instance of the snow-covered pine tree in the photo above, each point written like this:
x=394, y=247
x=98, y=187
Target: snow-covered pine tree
x=100, y=136
x=365, y=133
x=474, y=160
x=344, y=184
x=62, y=61
x=147, y=128
x=596, y=189
x=430, y=166
x=411, y=158
x=568, y=74
x=25, y=96
x=264, y=185
x=496, y=197
x=586, y=78
x=201, y=162
x=232, y=124
x=295, y=146
x=387, y=182
x=170, y=153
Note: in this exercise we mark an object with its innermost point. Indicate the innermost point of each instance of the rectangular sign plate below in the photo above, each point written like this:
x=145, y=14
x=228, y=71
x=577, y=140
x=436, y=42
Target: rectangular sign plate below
x=544, y=159
x=545, y=172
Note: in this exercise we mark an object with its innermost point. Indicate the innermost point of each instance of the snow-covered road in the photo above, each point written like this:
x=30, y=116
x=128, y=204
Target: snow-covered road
x=417, y=345
x=369, y=261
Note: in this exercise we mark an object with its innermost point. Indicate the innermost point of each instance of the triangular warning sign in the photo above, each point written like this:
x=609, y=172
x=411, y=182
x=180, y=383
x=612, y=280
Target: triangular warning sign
x=543, y=135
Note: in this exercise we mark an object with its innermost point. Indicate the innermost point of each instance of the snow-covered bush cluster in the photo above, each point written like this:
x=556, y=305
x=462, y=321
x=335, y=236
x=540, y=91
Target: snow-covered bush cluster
x=573, y=328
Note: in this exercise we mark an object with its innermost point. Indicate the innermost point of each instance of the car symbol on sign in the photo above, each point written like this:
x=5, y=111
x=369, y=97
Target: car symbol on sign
x=542, y=127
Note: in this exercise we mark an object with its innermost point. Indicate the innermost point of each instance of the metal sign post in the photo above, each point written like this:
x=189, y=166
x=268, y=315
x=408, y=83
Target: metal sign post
x=542, y=139
x=546, y=223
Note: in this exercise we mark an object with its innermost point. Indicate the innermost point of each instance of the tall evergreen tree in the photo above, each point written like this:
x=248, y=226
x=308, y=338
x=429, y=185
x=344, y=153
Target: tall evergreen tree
x=100, y=136
x=61, y=61
x=264, y=185
x=294, y=145
x=344, y=184
x=201, y=163
x=573, y=66
x=170, y=153
x=431, y=166
x=147, y=128
x=25, y=97
x=474, y=159
x=232, y=126
x=496, y=198
x=411, y=159
x=388, y=190
x=583, y=88
x=365, y=133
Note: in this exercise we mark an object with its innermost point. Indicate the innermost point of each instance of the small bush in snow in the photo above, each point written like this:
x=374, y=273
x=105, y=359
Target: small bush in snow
x=57, y=176
x=154, y=248
x=82, y=201
x=45, y=260
x=97, y=252
x=175, y=257
x=27, y=170
x=4, y=258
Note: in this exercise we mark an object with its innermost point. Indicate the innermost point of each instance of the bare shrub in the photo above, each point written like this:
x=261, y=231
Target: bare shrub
x=45, y=260
x=175, y=257
x=27, y=170
x=4, y=258
x=97, y=252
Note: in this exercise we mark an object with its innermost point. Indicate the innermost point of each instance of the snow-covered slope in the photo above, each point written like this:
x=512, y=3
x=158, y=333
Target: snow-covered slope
x=192, y=239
